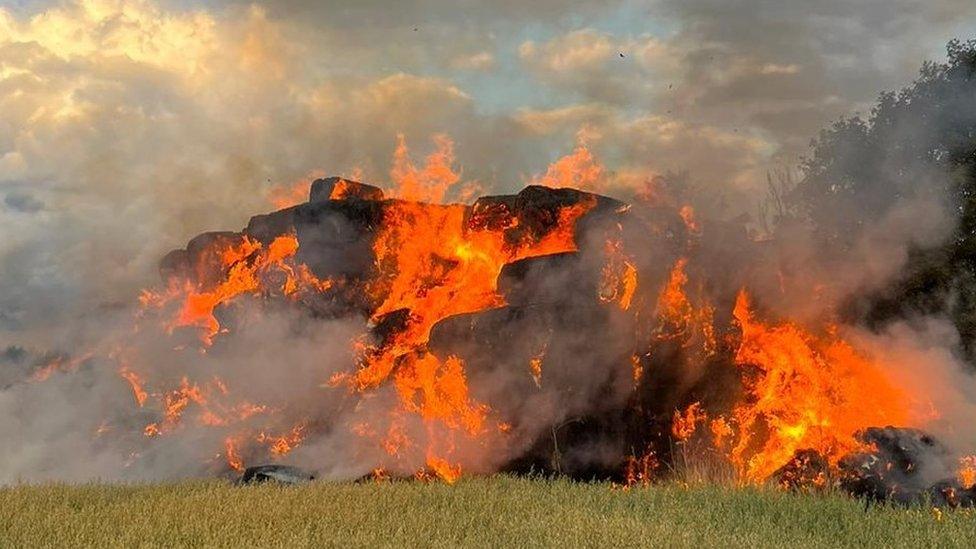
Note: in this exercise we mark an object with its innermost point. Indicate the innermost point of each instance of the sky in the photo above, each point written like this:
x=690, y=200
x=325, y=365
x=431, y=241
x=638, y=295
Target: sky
x=129, y=126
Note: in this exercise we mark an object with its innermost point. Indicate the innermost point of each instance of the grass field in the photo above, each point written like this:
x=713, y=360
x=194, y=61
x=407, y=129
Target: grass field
x=494, y=512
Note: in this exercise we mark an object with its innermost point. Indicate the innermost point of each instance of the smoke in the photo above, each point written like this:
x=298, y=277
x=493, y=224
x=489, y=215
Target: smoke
x=129, y=127
x=921, y=355
x=84, y=422
x=140, y=124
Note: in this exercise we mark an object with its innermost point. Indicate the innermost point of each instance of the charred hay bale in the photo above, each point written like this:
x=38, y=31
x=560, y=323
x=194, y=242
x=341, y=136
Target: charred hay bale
x=500, y=339
x=175, y=264
x=898, y=465
x=520, y=359
x=950, y=493
x=806, y=471
x=336, y=237
x=335, y=240
x=538, y=208
x=535, y=211
x=201, y=243
x=337, y=188
x=196, y=260
x=554, y=278
x=282, y=474
x=267, y=227
x=492, y=213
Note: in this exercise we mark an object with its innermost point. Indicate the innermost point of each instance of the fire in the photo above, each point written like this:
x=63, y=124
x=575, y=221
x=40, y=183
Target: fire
x=283, y=444
x=636, y=370
x=250, y=268
x=535, y=364
x=444, y=470
x=640, y=471
x=232, y=456
x=578, y=170
x=430, y=183
x=803, y=392
x=680, y=318
x=721, y=431
x=341, y=191
x=286, y=196
x=684, y=424
x=433, y=264
x=619, y=276
x=437, y=389
x=138, y=392
x=535, y=367
x=674, y=305
x=175, y=402
x=967, y=471
x=432, y=261
x=60, y=363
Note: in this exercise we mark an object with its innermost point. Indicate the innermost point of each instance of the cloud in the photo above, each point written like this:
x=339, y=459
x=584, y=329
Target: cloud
x=22, y=202
x=600, y=66
x=138, y=127
x=642, y=146
x=480, y=61
x=128, y=126
x=788, y=68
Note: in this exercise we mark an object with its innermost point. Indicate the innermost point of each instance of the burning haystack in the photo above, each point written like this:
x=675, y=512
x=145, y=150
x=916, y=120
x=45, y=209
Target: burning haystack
x=551, y=330
x=364, y=333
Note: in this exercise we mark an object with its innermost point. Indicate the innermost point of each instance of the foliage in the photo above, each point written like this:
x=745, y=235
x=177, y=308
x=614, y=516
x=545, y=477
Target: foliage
x=918, y=143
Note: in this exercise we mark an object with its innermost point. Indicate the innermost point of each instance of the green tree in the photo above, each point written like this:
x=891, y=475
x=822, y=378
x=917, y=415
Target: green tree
x=918, y=141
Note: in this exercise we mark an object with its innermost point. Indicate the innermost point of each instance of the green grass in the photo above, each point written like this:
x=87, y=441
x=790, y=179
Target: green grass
x=500, y=511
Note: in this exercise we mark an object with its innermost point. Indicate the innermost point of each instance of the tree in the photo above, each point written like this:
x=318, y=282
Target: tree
x=917, y=142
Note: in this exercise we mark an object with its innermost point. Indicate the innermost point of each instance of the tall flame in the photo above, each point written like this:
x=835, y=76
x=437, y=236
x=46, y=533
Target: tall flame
x=804, y=392
x=579, y=170
x=433, y=265
x=249, y=268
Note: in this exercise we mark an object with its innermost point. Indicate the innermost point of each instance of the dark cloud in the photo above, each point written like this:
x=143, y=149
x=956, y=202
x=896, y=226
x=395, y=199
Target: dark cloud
x=789, y=67
x=22, y=202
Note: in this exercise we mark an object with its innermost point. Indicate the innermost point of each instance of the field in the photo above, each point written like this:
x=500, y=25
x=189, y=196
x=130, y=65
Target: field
x=500, y=511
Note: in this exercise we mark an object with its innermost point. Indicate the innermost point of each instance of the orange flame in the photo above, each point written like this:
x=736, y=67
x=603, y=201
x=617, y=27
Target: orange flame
x=429, y=184
x=685, y=423
x=967, y=471
x=640, y=471
x=636, y=369
x=60, y=363
x=136, y=383
x=443, y=469
x=721, y=431
x=680, y=318
x=535, y=364
x=579, y=170
x=433, y=265
x=283, y=444
x=232, y=456
x=249, y=269
x=431, y=262
x=286, y=196
x=619, y=277
x=803, y=392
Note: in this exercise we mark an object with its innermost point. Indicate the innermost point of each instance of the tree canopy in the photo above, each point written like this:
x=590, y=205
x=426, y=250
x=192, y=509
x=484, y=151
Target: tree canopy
x=919, y=142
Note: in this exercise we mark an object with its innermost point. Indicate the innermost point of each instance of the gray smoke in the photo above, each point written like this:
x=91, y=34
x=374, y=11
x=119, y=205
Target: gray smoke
x=114, y=151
